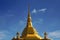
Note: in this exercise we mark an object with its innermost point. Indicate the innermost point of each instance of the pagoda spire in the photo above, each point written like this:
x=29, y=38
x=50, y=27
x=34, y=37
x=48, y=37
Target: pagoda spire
x=29, y=21
x=29, y=31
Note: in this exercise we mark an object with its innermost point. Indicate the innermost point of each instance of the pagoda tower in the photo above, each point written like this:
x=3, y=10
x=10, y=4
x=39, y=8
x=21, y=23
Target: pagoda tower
x=29, y=32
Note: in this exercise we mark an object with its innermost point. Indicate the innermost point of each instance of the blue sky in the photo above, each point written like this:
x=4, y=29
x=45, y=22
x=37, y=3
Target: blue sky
x=45, y=17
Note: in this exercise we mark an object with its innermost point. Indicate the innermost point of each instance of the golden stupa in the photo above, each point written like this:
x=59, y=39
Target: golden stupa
x=29, y=32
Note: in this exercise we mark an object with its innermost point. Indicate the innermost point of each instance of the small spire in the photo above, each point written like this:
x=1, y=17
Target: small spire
x=29, y=21
x=18, y=35
x=45, y=35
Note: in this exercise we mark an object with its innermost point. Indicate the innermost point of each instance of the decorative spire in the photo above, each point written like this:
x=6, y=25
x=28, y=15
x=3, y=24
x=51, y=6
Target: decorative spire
x=29, y=31
x=45, y=35
x=18, y=35
x=29, y=21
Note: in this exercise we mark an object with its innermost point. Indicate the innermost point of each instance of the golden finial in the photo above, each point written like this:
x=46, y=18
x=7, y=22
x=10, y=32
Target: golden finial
x=29, y=21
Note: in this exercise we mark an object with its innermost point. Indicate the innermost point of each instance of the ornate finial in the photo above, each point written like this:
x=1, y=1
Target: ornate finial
x=28, y=10
x=18, y=35
x=45, y=35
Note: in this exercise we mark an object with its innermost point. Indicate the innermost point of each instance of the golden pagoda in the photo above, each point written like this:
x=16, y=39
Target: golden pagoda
x=29, y=32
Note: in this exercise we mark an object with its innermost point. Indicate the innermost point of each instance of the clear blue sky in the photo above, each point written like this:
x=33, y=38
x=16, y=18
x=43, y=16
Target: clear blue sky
x=45, y=17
